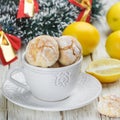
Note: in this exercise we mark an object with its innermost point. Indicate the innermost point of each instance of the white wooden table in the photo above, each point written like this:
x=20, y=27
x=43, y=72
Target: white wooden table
x=10, y=111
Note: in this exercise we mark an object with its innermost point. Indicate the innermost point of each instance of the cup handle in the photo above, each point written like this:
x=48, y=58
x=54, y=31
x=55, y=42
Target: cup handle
x=15, y=71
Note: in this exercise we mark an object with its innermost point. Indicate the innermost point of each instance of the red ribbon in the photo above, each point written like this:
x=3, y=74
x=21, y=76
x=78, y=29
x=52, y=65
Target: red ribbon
x=21, y=14
x=3, y=59
x=16, y=45
x=15, y=41
x=86, y=9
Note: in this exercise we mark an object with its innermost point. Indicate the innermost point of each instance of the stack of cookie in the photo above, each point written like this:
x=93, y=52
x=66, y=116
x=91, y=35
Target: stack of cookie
x=47, y=51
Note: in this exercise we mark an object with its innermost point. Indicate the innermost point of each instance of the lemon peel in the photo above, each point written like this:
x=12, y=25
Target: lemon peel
x=106, y=70
x=112, y=44
x=113, y=17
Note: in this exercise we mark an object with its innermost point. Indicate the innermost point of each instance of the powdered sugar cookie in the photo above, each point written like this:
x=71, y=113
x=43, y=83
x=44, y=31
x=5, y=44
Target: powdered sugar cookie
x=70, y=50
x=109, y=105
x=42, y=51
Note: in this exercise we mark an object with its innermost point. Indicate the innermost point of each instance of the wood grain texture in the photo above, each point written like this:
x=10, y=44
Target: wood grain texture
x=3, y=101
x=10, y=111
x=100, y=52
x=88, y=112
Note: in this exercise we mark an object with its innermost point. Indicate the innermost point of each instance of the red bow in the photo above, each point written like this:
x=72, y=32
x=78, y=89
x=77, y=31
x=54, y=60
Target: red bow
x=85, y=6
x=21, y=13
x=9, y=44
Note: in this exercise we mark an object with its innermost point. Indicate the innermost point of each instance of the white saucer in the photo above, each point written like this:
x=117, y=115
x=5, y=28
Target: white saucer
x=85, y=92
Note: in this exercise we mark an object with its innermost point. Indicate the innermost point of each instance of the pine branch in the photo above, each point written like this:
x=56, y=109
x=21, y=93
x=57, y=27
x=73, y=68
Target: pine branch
x=53, y=17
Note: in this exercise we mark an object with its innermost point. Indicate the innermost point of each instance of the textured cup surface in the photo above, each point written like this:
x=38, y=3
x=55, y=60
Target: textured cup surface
x=51, y=84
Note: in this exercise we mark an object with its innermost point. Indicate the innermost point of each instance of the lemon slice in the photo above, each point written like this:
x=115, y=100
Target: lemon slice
x=106, y=70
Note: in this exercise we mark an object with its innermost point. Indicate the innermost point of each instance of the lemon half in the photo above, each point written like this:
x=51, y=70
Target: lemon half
x=105, y=70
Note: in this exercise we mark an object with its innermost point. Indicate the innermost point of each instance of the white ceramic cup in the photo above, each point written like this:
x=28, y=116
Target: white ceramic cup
x=49, y=84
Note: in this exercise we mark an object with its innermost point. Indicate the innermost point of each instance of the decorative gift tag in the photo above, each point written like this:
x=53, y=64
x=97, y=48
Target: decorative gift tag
x=8, y=45
x=27, y=8
x=85, y=6
x=6, y=48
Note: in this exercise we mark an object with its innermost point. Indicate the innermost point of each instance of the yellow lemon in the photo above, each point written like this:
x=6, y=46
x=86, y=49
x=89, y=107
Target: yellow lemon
x=86, y=34
x=113, y=17
x=106, y=70
x=113, y=44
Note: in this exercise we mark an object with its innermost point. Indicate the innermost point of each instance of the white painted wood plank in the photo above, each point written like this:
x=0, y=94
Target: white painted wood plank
x=85, y=62
x=18, y=113
x=88, y=112
x=3, y=104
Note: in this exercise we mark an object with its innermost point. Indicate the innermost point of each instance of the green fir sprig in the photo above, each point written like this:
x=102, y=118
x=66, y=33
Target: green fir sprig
x=97, y=10
x=53, y=17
